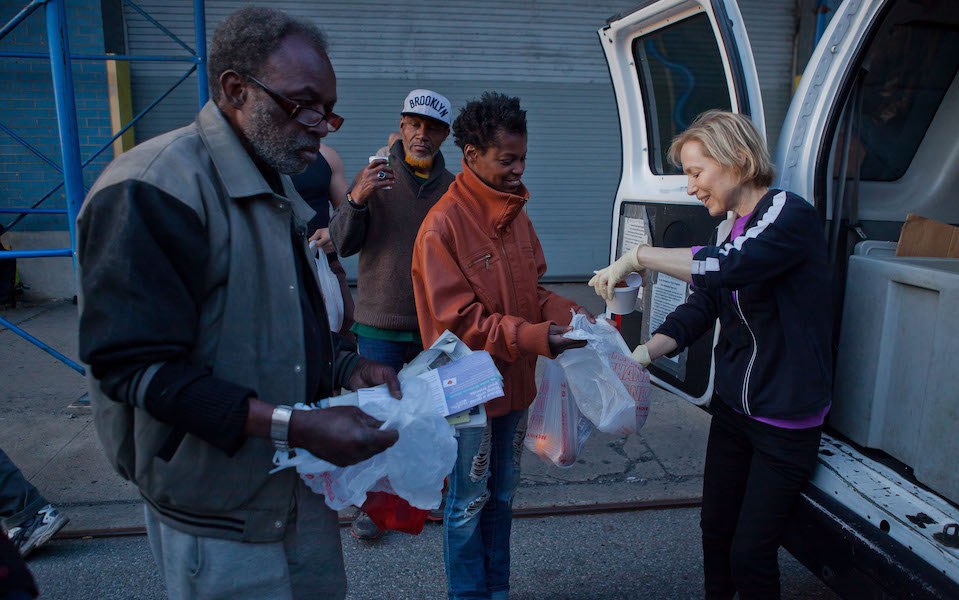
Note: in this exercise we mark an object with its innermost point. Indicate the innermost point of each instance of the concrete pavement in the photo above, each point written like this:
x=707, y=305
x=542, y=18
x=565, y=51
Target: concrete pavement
x=653, y=555
x=57, y=448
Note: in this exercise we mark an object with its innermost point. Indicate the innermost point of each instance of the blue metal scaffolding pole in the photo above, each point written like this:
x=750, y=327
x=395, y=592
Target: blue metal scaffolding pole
x=69, y=150
x=64, y=95
x=199, y=26
x=46, y=348
x=20, y=16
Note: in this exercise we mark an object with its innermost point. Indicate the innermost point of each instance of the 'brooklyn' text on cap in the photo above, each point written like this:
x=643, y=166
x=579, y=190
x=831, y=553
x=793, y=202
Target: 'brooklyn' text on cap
x=427, y=103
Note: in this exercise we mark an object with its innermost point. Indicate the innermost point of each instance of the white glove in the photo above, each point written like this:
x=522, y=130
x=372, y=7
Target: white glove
x=641, y=355
x=605, y=280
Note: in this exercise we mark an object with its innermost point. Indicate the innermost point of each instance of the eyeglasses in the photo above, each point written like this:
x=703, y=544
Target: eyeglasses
x=301, y=114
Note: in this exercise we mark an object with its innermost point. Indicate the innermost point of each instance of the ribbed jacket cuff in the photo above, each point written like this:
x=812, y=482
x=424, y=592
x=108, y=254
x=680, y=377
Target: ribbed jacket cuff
x=343, y=368
x=198, y=403
x=533, y=338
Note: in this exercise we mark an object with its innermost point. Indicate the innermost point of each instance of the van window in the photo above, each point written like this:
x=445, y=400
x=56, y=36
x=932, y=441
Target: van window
x=908, y=68
x=681, y=74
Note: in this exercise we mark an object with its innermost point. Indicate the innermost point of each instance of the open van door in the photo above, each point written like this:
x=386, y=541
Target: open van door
x=670, y=60
x=870, y=137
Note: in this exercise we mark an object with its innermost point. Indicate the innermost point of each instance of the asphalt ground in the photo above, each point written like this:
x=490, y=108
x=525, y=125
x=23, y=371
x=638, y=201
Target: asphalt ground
x=652, y=554
x=648, y=554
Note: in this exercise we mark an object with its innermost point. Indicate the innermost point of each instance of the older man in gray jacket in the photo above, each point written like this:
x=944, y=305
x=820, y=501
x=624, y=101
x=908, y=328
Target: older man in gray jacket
x=202, y=323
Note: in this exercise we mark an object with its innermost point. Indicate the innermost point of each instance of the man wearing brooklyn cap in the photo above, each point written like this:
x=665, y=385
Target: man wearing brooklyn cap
x=384, y=208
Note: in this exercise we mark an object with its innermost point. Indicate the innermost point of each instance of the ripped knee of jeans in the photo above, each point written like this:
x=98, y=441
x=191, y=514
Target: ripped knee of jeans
x=518, y=440
x=476, y=505
x=479, y=470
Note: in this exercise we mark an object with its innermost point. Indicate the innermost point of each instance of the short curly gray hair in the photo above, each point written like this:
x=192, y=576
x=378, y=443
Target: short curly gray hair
x=245, y=40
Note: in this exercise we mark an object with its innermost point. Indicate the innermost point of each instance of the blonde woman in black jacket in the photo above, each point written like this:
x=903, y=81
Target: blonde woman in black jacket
x=768, y=284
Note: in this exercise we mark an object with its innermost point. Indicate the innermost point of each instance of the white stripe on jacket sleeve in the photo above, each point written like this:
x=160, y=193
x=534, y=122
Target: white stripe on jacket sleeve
x=772, y=213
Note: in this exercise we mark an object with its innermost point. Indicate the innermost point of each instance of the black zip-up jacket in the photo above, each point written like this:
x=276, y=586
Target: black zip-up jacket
x=770, y=290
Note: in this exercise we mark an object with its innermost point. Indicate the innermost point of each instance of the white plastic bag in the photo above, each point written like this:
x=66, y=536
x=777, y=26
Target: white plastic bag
x=414, y=468
x=330, y=286
x=611, y=389
x=556, y=430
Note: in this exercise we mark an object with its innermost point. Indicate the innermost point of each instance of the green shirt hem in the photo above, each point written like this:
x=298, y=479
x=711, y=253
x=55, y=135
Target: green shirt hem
x=391, y=335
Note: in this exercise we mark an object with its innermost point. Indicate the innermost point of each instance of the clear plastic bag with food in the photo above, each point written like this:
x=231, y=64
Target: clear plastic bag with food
x=556, y=431
x=610, y=388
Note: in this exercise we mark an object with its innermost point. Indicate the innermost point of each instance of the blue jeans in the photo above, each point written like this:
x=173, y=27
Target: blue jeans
x=479, y=507
x=393, y=354
x=19, y=500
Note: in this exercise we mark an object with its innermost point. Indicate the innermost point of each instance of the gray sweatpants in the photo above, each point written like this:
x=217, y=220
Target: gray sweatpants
x=19, y=500
x=308, y=563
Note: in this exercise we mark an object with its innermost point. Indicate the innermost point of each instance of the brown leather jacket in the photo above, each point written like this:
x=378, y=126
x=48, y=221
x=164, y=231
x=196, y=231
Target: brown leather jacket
x=476, y=269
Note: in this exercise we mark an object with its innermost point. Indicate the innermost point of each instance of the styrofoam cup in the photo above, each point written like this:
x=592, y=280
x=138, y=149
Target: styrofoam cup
x=624, y=298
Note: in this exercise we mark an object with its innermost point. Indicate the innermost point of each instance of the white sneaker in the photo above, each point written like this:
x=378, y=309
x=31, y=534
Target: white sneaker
x=36, y=531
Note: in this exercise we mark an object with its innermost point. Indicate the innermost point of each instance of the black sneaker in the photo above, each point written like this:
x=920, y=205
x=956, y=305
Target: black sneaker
x=364, y=528
x=436, y=515
x=36, y=531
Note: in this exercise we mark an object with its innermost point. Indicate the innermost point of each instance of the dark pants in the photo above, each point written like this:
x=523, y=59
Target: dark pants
x=19, y=500
x=754, y=474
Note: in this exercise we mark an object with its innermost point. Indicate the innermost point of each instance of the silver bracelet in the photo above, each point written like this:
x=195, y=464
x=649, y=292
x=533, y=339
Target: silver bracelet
x=355, y=205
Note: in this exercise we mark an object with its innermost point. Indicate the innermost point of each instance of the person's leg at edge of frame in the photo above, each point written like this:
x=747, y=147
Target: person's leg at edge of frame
x=19, y=499
x=25, y=515
x=782, y=463
x=467, y=494
x=205, y=568
x=728, y=455
x=496, y=520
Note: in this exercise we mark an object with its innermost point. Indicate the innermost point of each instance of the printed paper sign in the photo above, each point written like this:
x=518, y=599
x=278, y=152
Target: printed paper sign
x=666, y=294
x=634, y=233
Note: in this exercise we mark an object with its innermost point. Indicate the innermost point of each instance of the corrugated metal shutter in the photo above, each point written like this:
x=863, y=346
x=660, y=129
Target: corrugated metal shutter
x=772, y=31
x=546, y=52
x=150, y=80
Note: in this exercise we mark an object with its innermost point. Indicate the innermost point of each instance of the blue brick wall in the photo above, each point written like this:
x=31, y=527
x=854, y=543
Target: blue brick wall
x=27, y=106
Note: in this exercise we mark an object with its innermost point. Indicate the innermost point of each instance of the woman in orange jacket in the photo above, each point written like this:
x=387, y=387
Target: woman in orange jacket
x=476, y=267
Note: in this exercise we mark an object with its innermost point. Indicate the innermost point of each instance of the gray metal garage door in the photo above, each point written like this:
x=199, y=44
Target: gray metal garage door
x=545, y=52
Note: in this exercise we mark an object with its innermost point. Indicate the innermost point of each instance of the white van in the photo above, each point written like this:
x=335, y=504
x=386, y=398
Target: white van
x=872, y=134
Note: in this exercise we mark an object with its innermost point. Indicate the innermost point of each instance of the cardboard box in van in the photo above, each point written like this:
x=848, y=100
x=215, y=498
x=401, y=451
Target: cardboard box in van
x=925, y=237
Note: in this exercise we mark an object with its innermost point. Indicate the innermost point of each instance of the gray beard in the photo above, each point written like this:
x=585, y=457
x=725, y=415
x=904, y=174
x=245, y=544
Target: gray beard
x=268, y=142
